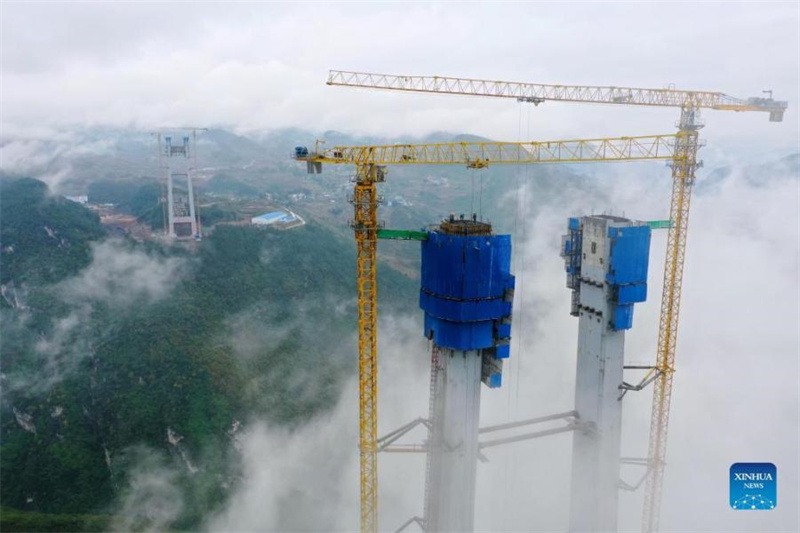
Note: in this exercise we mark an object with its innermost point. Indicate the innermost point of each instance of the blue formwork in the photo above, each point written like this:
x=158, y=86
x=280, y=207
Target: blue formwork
x=626, y=275
x=459, y=267
x=627, y=271
x=630, y=249
x=623, y=317
x=466, y=291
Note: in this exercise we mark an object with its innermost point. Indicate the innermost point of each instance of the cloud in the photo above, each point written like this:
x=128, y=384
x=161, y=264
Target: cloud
x=296, y=480
x=306, y=479
x=263, y=66
x=255, y=329
x=121, y=276
x=152, y=499
x=735, y=396
x=736, y=358
x=48, y=155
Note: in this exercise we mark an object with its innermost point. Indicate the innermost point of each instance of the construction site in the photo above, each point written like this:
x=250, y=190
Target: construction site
x=467, y=298
x=386, y=266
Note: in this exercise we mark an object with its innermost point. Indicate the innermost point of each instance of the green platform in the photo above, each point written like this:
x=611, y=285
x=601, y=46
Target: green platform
x=659, y=224
x=402, y=235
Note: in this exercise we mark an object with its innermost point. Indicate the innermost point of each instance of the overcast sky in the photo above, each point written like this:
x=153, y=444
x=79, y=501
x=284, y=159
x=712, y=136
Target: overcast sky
x=254, y=66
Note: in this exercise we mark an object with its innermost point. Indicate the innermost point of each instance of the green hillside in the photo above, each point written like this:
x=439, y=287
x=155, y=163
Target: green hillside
x=259, y=324
x=44, y=237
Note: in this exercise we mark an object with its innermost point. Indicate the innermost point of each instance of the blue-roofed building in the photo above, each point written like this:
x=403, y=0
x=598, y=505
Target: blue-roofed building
x=283, y=219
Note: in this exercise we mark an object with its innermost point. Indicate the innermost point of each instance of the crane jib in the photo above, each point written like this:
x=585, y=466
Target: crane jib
x=537, y=93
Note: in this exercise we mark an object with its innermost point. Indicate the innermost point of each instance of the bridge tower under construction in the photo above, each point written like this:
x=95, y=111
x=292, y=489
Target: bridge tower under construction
x=606, y=261
x=178, y=165
x=466, y=293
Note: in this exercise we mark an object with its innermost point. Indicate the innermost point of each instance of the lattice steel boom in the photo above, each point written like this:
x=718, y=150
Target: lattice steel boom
x=539, y=92
x=370, y=161
x=482, y=154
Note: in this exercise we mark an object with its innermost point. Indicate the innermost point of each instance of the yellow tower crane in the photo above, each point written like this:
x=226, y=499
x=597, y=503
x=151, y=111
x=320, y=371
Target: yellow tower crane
x=684, y=165
x=370, y=162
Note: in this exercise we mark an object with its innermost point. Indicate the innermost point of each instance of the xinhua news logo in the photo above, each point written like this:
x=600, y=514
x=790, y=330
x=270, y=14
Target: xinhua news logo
x=754, y=486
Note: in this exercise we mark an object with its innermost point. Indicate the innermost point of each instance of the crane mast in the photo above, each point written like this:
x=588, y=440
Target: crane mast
x=370, y=170
x=365, y=226
x=683, y=164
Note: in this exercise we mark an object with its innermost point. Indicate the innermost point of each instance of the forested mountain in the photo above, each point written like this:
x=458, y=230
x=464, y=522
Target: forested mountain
x=44, y=237
x=114, y=350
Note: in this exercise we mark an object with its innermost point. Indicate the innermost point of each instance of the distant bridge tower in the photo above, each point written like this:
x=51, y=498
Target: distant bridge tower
x=178, y=164
x=606, y=260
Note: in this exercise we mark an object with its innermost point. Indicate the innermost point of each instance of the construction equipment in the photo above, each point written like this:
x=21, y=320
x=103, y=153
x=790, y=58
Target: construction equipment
x=370, y=164
x=536, y=93
x=683, y=165
x=478, y=155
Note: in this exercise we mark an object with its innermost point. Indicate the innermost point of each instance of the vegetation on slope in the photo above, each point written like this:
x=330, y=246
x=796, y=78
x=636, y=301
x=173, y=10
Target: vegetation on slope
x=44, y=237
x=258, y=325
